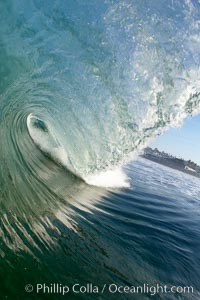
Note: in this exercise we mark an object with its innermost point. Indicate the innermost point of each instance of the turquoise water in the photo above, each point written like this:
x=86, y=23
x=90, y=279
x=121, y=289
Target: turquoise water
x=84, y=87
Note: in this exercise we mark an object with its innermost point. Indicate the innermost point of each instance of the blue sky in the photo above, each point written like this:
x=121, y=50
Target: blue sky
x=183, y=141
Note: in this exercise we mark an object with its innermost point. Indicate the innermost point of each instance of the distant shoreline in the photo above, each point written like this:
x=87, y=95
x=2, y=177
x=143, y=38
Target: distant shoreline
x=188, y=167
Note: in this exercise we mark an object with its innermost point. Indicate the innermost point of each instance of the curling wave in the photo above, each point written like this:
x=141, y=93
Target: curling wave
x=84, y=86
x=94, y=88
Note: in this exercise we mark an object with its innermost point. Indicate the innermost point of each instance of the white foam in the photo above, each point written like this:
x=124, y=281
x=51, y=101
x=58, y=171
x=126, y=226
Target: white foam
x=111, y=178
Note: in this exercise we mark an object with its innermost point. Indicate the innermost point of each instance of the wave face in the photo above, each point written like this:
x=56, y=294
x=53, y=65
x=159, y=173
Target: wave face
x=104, y=76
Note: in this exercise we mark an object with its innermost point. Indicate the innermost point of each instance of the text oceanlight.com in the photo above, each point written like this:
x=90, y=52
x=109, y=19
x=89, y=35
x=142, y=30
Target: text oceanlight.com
x=112, y=288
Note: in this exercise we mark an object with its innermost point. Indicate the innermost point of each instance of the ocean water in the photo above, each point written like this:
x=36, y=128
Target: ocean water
x=84, y=87
x=148, y=233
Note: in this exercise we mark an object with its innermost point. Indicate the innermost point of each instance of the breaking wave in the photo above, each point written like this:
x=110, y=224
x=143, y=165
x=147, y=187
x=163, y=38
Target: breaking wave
x=94, y=82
